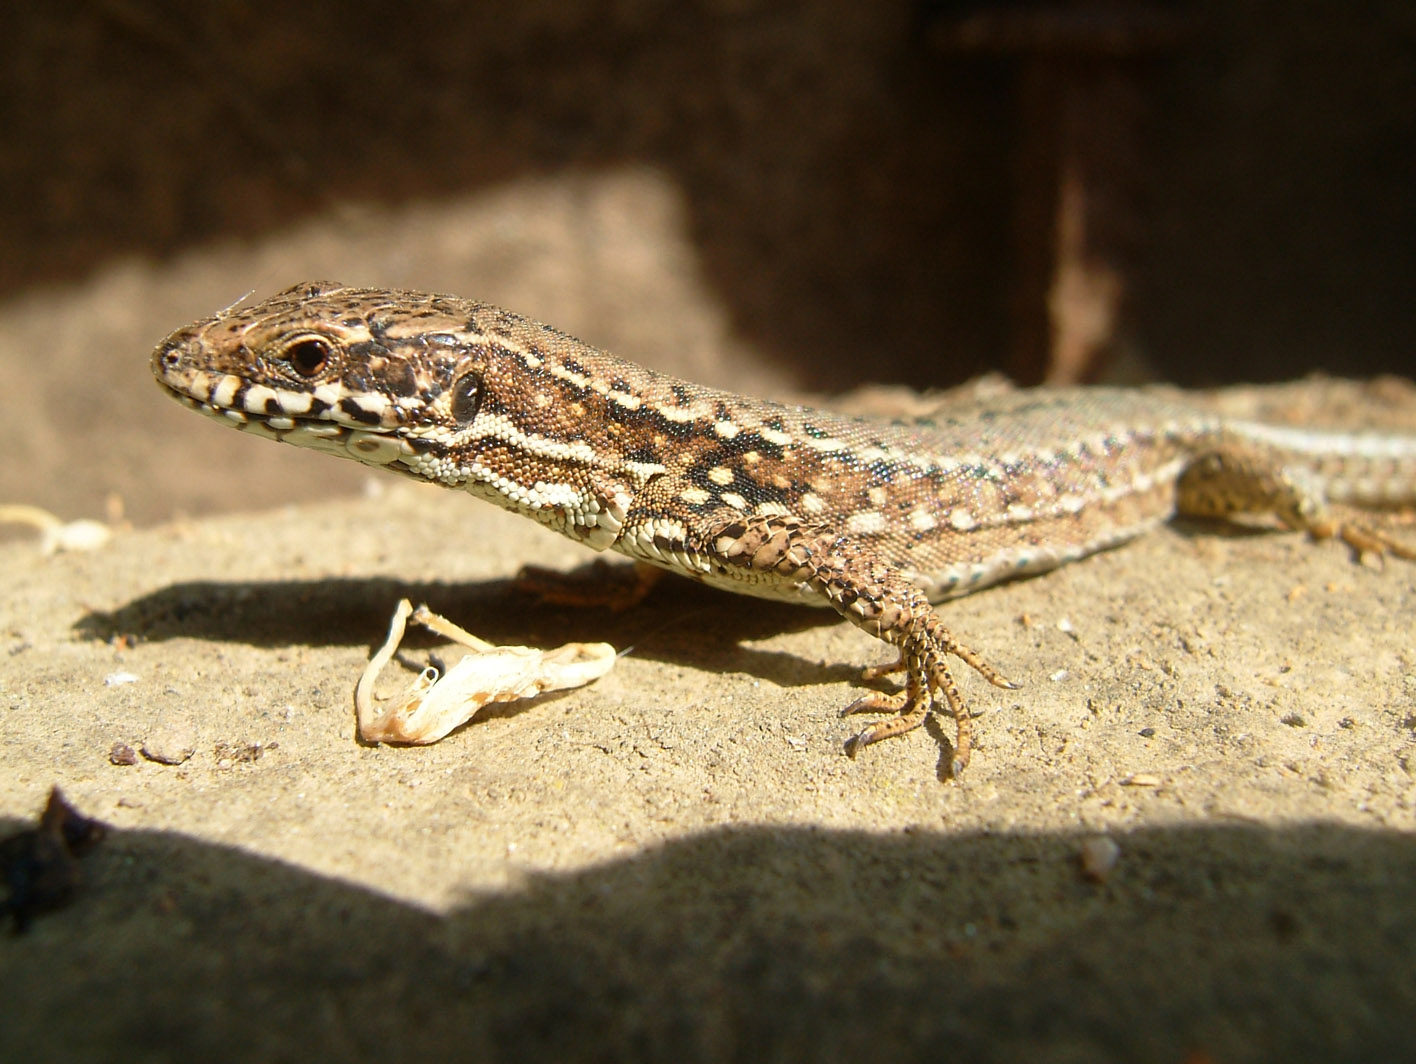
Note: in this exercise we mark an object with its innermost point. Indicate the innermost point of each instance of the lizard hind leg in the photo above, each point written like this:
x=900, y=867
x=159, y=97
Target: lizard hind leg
x=1245, y=478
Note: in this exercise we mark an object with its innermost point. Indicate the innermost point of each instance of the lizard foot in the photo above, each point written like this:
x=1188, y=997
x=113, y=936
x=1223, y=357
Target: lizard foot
x=1361, y=533
x=910, y=708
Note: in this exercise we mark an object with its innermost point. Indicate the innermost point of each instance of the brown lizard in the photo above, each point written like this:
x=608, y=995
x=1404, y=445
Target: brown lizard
x=875, y=518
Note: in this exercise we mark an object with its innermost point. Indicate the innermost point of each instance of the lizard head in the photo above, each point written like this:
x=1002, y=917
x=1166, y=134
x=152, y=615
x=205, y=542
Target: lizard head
x=323, y=366
x=438, y=388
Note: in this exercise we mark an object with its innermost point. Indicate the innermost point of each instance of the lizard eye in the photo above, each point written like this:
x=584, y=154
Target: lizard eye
x=309, y=357
x=466, y=398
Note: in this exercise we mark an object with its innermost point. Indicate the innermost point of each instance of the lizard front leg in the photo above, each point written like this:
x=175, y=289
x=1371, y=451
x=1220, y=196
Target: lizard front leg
x=873, y=595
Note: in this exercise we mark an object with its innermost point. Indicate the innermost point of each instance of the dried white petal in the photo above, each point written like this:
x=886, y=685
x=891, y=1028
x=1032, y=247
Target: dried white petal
x=434, y=705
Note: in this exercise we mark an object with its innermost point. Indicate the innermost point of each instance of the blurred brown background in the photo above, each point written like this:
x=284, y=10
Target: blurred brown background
x=766, y=195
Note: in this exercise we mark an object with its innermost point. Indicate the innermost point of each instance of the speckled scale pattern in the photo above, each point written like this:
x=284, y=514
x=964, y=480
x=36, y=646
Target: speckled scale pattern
x=871, y=517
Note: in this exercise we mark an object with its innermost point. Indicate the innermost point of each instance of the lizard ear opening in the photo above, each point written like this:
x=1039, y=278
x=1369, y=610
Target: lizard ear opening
x=466, y=397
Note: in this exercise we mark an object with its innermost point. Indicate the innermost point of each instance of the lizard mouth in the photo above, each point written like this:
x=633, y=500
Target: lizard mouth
x=329, y=430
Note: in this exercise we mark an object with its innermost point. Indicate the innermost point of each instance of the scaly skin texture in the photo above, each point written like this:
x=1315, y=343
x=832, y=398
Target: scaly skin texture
x=875, y=518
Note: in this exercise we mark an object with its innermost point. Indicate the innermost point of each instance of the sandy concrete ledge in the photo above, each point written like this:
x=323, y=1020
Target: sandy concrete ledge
x=680, y=855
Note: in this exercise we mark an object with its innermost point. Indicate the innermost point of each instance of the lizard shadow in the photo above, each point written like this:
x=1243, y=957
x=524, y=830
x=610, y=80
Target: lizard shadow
x=679, y=621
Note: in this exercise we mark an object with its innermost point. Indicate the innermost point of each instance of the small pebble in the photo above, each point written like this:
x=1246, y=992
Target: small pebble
x=171, y=742
x=1141, y=779
x=122, y=754
x=1098, y=857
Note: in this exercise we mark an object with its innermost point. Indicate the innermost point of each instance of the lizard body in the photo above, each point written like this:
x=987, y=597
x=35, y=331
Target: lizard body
x=875, y=518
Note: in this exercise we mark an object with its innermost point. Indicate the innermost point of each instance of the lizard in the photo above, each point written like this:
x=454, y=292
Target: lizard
x=879, y=519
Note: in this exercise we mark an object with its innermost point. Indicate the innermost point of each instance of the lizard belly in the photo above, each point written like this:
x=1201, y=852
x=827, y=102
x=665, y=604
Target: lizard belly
x=704, y=570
